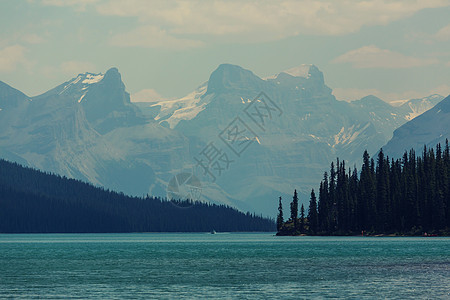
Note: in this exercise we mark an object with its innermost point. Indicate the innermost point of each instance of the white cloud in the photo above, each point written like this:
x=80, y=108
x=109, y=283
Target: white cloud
x=11, y=57
x=76, y=67
x=443, y=34
x=152, y=37
x=80, y=5
x=184, y=24
x=32, y=38
x=374, y=57
x=67, y=68
x=443, y=90
x=147, y=95
x=267, y=19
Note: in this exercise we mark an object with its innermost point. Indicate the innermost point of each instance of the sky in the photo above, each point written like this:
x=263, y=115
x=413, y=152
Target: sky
x=165, y=49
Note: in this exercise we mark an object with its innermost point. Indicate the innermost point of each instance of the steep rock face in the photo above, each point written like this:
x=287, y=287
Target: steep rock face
x=386, y=117
x=307, y=130
x=10, y=97
x=430, y=128
x=382, y=115
x=230, y=77
x=107, y=104
x=87, y=128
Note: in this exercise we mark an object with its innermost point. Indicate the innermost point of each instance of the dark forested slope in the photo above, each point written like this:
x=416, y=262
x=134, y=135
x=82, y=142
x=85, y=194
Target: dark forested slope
x=33, y=201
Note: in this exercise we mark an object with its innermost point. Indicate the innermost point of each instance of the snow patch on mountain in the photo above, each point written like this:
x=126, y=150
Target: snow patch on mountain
x=174, y=110
x=92, y=78
x=81, y=82
x=81, y=98
x=430, y=128
x=300, y=71
x=397, y=103
x=419, y=106
x=347, y=136
x=74, y=81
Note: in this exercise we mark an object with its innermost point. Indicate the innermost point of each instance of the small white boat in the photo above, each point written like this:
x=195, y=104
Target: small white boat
x=213, y=231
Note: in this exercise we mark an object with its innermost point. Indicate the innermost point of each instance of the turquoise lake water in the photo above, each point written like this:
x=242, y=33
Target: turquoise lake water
x=244, y=266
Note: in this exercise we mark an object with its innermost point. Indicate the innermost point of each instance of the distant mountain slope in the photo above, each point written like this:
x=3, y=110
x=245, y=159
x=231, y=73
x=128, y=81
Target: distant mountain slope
x=87, y=128
x=386, y=117
x=430, y=128
x=31, y=201
x=416, y=107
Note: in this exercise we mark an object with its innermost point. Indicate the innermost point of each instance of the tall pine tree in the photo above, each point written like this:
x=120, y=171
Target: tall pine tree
x=294, y=210
x=313, y=219
x=280, y=219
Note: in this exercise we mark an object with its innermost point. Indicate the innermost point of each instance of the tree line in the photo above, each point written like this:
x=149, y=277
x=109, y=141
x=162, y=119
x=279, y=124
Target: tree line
x=410, y=196
x=32, y=201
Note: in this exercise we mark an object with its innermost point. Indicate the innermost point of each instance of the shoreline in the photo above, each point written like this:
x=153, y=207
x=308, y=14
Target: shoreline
x=369, y=235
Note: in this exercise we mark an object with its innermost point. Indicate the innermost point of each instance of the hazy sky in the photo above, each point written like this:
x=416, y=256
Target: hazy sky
x=393, y=49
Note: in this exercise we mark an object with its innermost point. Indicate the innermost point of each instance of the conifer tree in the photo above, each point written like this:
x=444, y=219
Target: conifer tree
x=324, y=205
x=312, y=214
x=294, y=210
x=332, y=199
x=446, y=163
x=302, y=219
x=367, y=190
x=408, y=195
x=280, y=219
x=382, y=192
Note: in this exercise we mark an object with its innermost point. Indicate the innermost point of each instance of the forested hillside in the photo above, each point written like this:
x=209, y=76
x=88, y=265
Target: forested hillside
x=35, y=202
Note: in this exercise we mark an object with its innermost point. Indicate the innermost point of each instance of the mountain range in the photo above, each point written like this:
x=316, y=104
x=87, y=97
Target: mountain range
x=247, y=139
x=428, y=129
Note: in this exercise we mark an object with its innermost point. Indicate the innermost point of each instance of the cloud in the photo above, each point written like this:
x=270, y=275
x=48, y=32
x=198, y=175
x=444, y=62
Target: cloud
x=21, y=38
x=80, y=5
x=11, y=57
x=374, y=57
x=350, y=94
x=264, y=20
x=178, y=24
x=67, y=68
x=443, y=34
x=76, y=67
x=32, y=38
x=152, y=37
x=443, y=90
x=147, y=95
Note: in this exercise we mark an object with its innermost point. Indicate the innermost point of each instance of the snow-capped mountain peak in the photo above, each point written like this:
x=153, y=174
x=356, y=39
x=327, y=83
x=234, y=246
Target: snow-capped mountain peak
x=82, y=81
x=87, y=128
x=300, y=71
x=303, y=70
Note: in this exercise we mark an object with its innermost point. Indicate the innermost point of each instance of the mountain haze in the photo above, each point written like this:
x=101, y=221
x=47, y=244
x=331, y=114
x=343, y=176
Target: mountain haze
x=428, y=129
x=87, y=128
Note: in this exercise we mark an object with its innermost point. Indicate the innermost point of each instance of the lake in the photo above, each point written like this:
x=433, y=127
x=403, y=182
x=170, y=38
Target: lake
x=224, y=265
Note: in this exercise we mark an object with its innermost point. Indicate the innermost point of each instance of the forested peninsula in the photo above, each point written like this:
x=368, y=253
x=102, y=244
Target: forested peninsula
x=407, y=196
